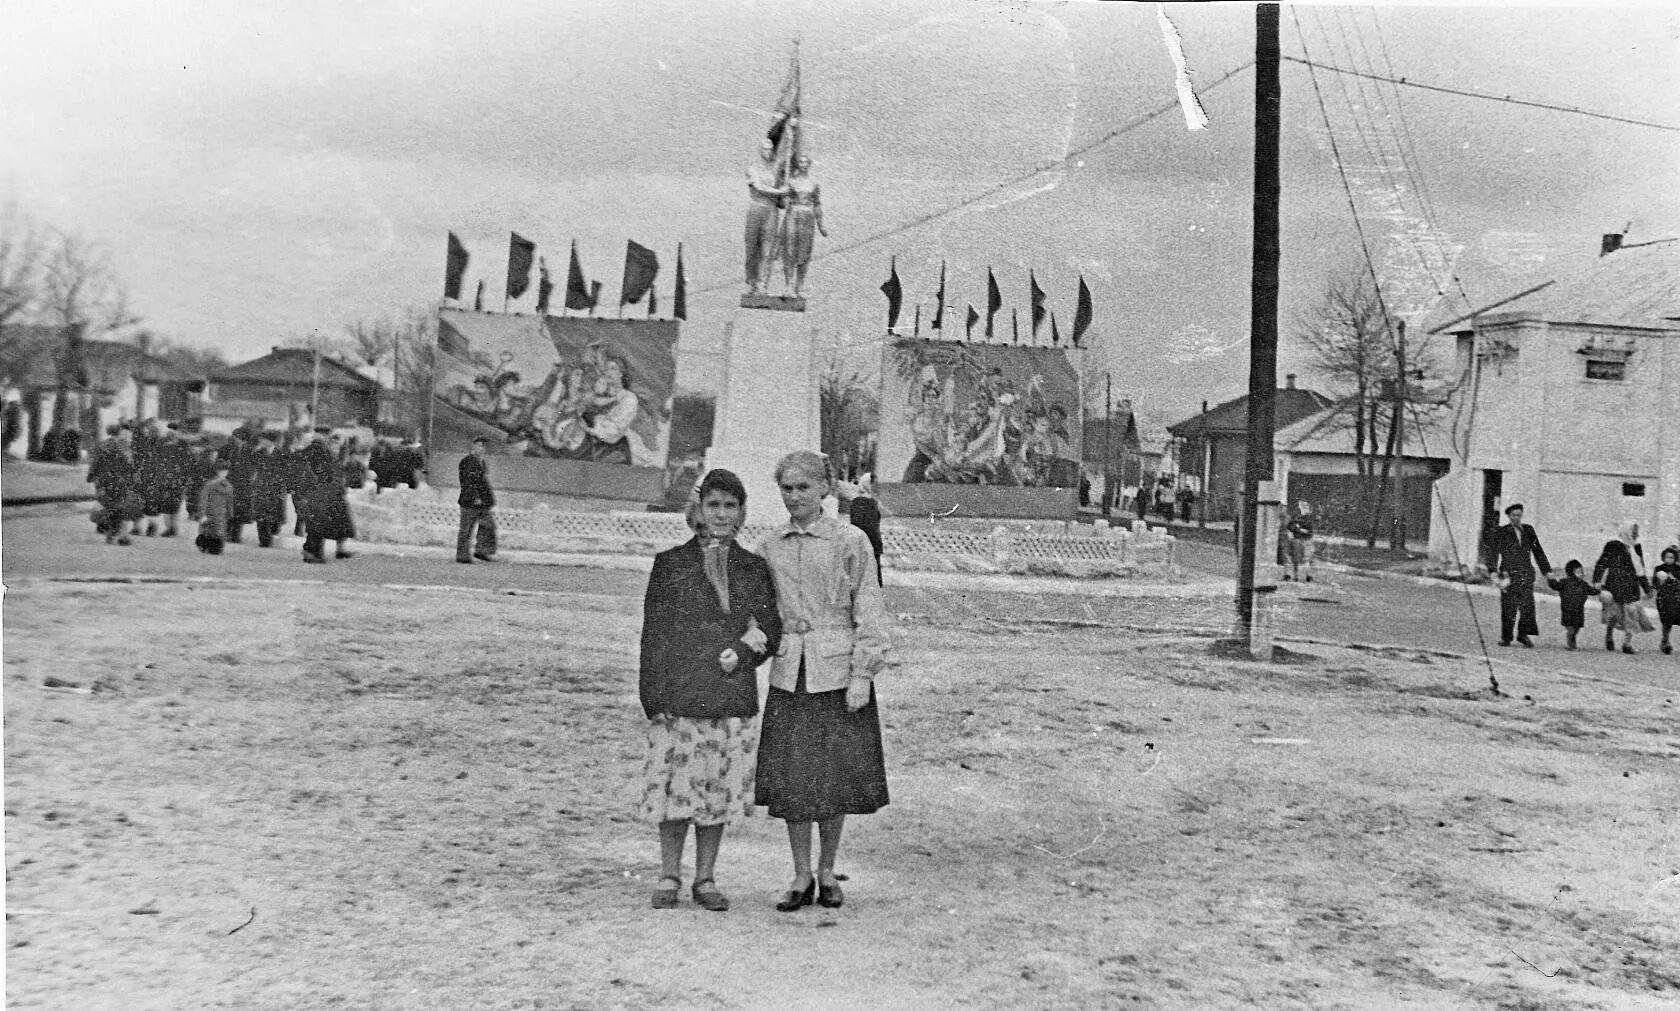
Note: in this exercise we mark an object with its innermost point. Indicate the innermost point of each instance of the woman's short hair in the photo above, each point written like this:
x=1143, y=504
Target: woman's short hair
x=1670, y=550
x=806, y=462
x=716, y=479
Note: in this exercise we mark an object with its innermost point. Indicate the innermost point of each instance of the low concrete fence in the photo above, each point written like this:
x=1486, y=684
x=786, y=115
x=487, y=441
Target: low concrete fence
x=429, y=516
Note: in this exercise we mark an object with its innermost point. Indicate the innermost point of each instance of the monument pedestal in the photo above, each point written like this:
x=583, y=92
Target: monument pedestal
x=769, y=405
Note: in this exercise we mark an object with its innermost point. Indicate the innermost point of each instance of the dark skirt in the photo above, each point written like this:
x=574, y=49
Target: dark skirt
x=817, y=760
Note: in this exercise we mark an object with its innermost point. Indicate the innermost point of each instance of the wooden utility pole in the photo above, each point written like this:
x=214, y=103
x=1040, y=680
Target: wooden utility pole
x=1263, y=298
x=1398, y=540
x=1108, y=433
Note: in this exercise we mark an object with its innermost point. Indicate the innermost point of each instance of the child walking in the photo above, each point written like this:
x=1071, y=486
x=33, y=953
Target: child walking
x=215, y=500
x=1573, y=591
x=1666, y=577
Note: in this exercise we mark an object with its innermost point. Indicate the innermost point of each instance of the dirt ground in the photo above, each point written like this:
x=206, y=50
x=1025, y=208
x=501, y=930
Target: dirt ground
x=288, y=795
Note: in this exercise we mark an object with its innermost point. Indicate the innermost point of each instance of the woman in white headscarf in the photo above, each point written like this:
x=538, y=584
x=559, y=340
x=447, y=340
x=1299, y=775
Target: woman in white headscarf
x=1621, y=571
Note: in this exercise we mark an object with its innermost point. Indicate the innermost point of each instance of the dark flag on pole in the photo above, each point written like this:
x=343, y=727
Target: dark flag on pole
x=994, y=300
x=520, y=252
x=1037, y=305
x=939, y=306
x=577, y=290
x=653, y=302
x=641, y=266
x=973, y=318
x=545, y=287
x=454, y=268
x=895, y=296
x=1082, y=314
x=478, y=299
x=594, y=296
x=679, y=299
x=917, y=331
x=1015, y=325
x=1055, y=335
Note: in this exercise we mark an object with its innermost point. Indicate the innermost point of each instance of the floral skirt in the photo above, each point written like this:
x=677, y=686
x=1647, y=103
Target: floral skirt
x=700, y=770
x=1628, y=617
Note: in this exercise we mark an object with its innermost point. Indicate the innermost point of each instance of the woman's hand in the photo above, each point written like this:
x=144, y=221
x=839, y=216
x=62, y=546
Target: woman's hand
x=857, y=694
x=754, y=636
x=728, y=660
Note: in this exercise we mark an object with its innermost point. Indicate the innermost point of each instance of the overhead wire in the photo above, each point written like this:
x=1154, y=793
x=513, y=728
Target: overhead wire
x=1382, y=306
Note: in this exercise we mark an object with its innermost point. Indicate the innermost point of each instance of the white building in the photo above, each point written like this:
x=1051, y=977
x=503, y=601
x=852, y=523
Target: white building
x=1569, y=403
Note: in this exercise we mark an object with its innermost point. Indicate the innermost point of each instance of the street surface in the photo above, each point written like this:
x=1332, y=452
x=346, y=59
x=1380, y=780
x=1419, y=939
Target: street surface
x=58, y=541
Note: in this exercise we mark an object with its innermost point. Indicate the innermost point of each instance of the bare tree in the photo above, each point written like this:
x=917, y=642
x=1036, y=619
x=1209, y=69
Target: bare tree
x=81, y=288
x=24, y=246
x=413, y=365
x=372, y=341
x=1355, y=347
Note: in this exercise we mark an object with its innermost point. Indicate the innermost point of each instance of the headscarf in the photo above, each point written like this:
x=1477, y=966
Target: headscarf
x=714, y=549
x=1628, y=535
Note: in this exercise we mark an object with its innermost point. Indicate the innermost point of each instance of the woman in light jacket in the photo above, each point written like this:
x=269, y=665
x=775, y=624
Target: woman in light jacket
x=820, y=756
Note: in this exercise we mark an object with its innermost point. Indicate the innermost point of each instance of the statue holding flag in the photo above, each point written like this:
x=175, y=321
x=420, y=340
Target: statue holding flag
x=764, y=191
x=774, y=229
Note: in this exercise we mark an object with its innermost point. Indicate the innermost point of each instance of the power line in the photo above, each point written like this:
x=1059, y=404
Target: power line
x=1037, y=170
x=1492, y=98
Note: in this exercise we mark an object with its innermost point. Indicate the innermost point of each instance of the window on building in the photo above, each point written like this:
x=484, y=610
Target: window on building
x=1631, y=489
x=1606, y=368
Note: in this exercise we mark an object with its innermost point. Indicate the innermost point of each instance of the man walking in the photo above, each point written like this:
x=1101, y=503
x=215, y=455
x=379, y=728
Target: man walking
x=477, y=502
x=1509, y=553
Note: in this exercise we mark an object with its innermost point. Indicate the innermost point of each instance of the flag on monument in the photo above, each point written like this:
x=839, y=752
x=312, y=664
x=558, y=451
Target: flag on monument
x=454, y=267
x=545, y=287
x=895, y=296
x=641, y=265
x=520, y=252
x=1037, y=305
x=478, y=299
x=973, y=318
x=787, y=110
x=994, y=300
x=1055, y=335
x=450, y=340
x=939, y=305
x=577, y=290
x=1082, y=314
x=679, y=299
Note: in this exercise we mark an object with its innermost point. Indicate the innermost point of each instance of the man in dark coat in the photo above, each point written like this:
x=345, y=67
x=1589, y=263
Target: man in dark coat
x=240, y=454
x=271, y=477
x=116, y=480
x=477, y=500
x=1509, y=554
x=321, y=483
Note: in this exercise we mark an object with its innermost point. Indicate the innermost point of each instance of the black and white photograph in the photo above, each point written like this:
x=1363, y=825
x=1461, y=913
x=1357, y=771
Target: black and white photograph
x=914, y=504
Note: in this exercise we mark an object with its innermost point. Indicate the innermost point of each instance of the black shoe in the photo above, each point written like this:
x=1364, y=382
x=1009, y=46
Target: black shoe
x=1610, y=644
x=712, y=899
x=1526, y=641
x=1628, y=650
x=483, y=557
x=1667, y=649
x=464, y=561
x=171, y=532
x=341, y=553
x=1504, y=642
x=793, y=901
x=314, y=559
x=830, y=896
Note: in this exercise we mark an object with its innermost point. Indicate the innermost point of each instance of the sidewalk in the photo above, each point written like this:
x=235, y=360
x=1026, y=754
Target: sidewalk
x=28, y=482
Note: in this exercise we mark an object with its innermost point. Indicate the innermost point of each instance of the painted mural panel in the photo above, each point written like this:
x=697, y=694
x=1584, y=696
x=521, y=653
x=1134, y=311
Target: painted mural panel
x=959, y=413
x=558, y=387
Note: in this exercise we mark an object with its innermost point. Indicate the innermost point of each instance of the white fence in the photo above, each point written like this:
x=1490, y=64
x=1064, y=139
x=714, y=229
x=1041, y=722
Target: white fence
x=426, y=516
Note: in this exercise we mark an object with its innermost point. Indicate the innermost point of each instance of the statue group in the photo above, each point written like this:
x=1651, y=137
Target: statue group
x=784, y=216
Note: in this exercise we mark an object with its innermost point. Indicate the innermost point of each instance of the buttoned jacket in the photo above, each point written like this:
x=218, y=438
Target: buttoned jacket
x=834, y=616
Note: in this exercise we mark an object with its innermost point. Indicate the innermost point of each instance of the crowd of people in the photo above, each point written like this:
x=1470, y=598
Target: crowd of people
x=146, y=475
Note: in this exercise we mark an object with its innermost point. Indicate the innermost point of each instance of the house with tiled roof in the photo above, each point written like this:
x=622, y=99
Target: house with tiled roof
x=1569, y=403
x=1213, y=445
x=280, y=389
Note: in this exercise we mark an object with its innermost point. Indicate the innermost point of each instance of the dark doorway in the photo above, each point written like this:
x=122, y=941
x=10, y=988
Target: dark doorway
x=1493, y=486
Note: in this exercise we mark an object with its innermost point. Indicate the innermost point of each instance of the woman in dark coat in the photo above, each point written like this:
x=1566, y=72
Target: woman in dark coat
x=328, y=519
x=270, y=478
x=1621, y=571
x=708, y=621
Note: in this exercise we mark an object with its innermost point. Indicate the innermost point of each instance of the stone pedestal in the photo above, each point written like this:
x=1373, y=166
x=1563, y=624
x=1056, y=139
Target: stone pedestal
x=769, y=405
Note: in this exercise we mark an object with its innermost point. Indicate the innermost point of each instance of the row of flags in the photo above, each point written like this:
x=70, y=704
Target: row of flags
x=894, y=290
x=641, y=267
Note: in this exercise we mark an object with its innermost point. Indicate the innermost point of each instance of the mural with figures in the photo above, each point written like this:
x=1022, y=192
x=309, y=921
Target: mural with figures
x=985, y=414
x=558, y=387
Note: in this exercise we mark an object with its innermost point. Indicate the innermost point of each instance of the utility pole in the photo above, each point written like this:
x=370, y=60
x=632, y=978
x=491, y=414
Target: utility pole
x=315, y=387
x=1108, y=433
x=1263, y=300
x=1207, y=464
x=1399, y=423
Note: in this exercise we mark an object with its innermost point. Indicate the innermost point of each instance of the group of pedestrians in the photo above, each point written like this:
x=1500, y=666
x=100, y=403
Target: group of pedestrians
x=144, y=477
x=1619, y=580
x=810, y=603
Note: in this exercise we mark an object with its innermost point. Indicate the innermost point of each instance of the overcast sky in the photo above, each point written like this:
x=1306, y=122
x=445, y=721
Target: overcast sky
x=259, y=171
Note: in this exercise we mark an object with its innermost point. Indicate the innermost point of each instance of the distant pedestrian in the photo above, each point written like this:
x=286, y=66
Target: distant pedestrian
x=865, y=514
x=215, y=505
x=478, y=504
x=271, y=475
x=709, y=619
x=1186, y=501
x=1298, y=542
x=1621, y=571
x=1510, y=551
x=322, y=481
x=1666, y=579
x=1573, y=592
x=116, y=481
